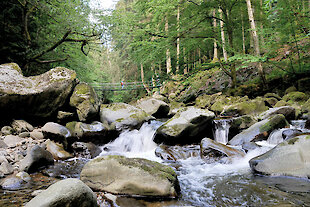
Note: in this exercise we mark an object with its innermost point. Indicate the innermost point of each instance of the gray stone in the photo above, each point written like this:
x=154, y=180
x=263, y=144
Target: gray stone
x=12, y=183
x=287, y=111
x=86, y=150
x=265, y=126
x=36, y=134
x=6, y=168
x=21, y=126
x=57, y=150
x=56, y=132
x=154, y=107
x=211, y=151
x=3, y=144
x=7, y=130
x=86, y=102
x=35, y=96
x=24, y=134
x=177, y=152
x=289, y=158
x=24, y=176
x=123, y=115
x=147, y=178
x=35, y=159
x=12, y=140
x=187, y=126
x=69, y=192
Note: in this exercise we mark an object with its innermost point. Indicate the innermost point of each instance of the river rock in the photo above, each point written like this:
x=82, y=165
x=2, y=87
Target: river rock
x=187, y=126
x=272, y=95
x=56, y=132
x=20, y=126
x=86, y=150
x=37, y=134
x=64, y=116
x=12, y=140
x=255, y=106
x=11, y=183
x=70, y=192
x=35, y=96
x=291, y=133
x=57, y=150
x=237, y=124
x=96, y=132
x=289, y=158
x=123, y=115
x=35, y=159
x=212, y=151
x=296, y=96
x=7, y=130
x=147, y=178
x=86, y=102
x=3, y=144
x=154, y=107
x=287, y=111
x=267, y=125
x=175, y=153
x=6, y=168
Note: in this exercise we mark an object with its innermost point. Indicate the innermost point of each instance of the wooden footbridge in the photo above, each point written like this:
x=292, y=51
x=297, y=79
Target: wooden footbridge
x=123, y=86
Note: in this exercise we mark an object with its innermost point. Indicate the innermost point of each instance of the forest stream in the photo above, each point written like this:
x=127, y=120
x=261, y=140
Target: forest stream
x=202, y=184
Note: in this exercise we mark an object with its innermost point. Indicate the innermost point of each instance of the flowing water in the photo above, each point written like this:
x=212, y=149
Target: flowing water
x=202, y=184
x=221, y=130
x=215, y=184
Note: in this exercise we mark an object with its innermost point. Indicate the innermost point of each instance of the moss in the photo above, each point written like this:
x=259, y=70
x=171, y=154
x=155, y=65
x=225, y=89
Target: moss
x=14, y=66
x=295, y=97
x=292, y=141
x=275, y=122
x=154, y=168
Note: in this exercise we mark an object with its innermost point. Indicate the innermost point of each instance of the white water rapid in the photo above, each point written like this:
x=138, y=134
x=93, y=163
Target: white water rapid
x=221, y=130
x=201, y=184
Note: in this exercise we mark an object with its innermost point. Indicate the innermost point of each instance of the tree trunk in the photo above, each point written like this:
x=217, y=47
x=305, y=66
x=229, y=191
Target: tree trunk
x=255, y=40
x=142, y=79
x=178, y=41
x=223, y=36
x=185, y=61
x=243, y=36
x=215, y=55
x=168, y=57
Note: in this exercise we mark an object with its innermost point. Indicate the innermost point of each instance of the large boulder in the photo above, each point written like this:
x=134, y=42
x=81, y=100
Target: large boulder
x=296, y=96
x=123, y=115
x=287, y=111
x=36, y=158
x=245, y=108
x=70, y=192
x=265, y=126
x=130, y=176
x=289, y=158
x=35, y=96
x=20, y=126
x=189, y=125
x=154, y=107
x=86, y=102
x=96, y=132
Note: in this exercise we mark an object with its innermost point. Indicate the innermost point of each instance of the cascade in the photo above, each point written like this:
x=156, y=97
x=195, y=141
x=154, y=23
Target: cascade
x=221, y=130
x=134, y=143
x=298, y=124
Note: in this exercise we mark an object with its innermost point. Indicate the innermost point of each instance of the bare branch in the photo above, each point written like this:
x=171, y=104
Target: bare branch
x=51, y=61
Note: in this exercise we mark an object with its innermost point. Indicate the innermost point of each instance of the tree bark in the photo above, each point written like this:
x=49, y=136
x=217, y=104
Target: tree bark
x=255, y=40
x=215, y=55
x=178, y=41
x=223, y=36
x=185, y=61
x=142, y=79
x=243, y=36
x=168, y=57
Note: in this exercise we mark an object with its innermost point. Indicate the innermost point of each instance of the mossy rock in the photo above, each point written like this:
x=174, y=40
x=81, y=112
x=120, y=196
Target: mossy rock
x=147, y=178
x=275, y=122
x=296, y=96
x=281, y=103
x=290, y=89
x=272, y=95
x=85, y=100
x=245, y=108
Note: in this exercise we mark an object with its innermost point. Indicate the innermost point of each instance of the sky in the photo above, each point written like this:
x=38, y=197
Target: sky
x=103, y=4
